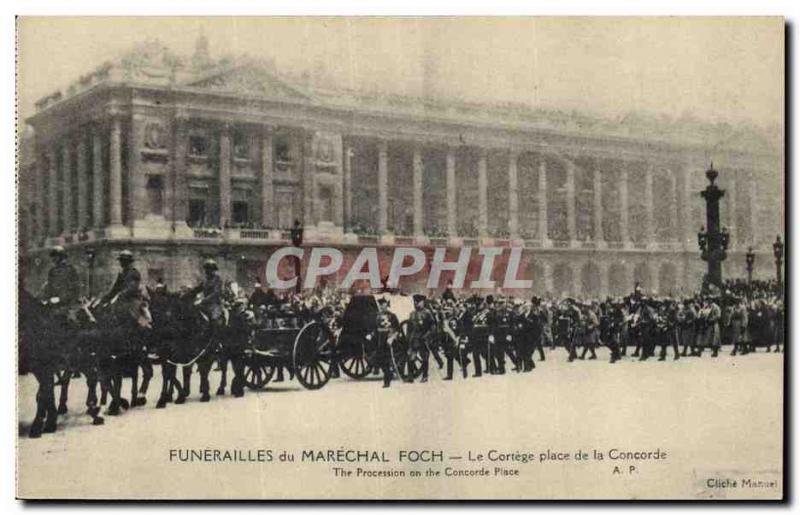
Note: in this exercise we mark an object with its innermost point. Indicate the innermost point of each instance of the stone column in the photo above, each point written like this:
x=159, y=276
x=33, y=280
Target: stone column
x=483, y=204
x=267, y=187
x=543, y=211
x=451, y=193
x=649, y=224
x=571, y=215
x=597, y=191
x=348, y=186
x=115, y=172
x=732, y=207
x=180, y=202
x=513, y=195
x=418, y=183
x=753, y=200
x=575, y=274
x=603, y=268
x=52, y=194
x=225, y=175
x=138, y=208
x=623, y=208
x=675, y=215
x=98, y=183
x=309, y=187
x=655, y=280
x=41, y=215
x=690, y=225
x=547, y=270
x=383, y=186
x=82, y=173
x=66, y=186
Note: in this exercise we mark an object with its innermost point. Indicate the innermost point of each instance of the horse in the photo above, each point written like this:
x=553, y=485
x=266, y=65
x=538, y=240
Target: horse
x=51, y=346
x=183, y=337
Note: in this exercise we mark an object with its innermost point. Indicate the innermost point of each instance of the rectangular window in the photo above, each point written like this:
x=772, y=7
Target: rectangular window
x=240, y=212
x=282, y=153
x=285, y=205
x=240, y=206
x=241, y=145
x=155, y=194
x=198, y=202
x=325, y=204
x=198, y=146
x=197, y=212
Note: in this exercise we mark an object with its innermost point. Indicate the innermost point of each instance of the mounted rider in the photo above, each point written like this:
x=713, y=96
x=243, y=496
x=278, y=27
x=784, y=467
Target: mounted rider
x=211, y=303
x=125, y=297
x=62, y=288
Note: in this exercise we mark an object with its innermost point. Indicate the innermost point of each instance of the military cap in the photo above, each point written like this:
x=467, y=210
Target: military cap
x=125, y=255
x=210, y=263
x=58, y=250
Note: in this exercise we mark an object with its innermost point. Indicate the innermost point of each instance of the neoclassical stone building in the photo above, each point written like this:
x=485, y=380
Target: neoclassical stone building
x=180, y=160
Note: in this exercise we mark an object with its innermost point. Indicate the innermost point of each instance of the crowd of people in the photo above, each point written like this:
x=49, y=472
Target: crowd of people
x=489, y=333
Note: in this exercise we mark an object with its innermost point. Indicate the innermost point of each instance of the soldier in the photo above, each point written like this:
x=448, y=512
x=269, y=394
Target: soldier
x=62, y=282
x=421, y=326
x=778, y=316
x=712, y=321
x=738, y=327
x=453, y=317
x=667, y=329
x=259, y=297
x=591, y=332
x=539, y=320
x=615, y=319
x=211, y=288
x=447, y=294
x=569, y=321
x=388, y=327
x=498, y=321
x=687, y=317
x=125, y=294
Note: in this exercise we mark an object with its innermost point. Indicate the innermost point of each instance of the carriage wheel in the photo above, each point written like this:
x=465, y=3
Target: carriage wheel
x=407, y=362
x=356, y=367
x=257, y=373
x=313, y=355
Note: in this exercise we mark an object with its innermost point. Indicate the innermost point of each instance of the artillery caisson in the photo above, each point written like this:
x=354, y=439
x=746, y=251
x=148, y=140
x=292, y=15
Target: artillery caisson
x=304, y=347
x=365, y=337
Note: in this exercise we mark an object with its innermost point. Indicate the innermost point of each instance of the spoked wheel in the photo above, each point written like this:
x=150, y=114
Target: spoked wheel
x=313, y=355
x=257, y=373
x=407, y=361
x=354, y=363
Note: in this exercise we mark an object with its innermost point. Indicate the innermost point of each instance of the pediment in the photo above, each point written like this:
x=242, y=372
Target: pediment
x=248, y=79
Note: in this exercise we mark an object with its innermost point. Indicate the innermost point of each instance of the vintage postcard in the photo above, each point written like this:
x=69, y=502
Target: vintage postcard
x=385, y=258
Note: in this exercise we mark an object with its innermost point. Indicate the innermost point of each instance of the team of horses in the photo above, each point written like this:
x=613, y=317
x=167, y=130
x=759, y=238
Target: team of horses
x=105, y=346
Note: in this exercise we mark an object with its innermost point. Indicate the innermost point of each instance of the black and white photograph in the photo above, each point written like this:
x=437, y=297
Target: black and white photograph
x=401, y=258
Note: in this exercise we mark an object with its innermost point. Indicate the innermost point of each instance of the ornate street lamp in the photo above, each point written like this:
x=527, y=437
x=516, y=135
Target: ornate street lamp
x=713, y=242
x=297, y=241
x=750, y=259
x=90, y=256
x=777, y=249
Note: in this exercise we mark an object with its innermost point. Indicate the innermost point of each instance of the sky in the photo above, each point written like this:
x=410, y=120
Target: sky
x=713, y=69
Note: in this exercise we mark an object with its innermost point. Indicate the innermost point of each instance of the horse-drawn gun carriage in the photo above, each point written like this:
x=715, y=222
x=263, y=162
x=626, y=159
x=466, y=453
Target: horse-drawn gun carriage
x=302, y=343
x=368, y=337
